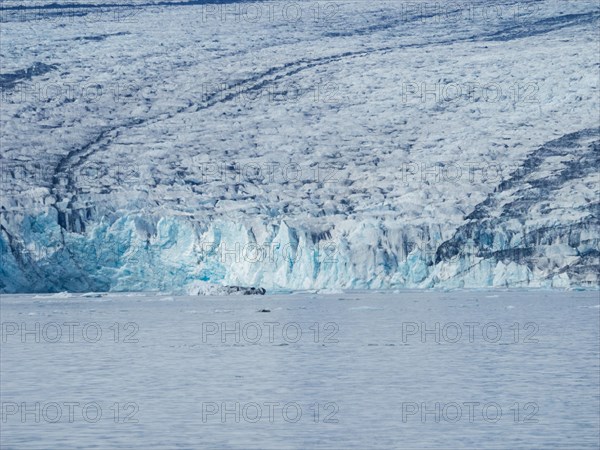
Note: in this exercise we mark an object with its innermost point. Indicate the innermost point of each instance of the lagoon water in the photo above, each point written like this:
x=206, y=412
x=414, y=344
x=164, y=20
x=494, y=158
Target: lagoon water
x=461, y=369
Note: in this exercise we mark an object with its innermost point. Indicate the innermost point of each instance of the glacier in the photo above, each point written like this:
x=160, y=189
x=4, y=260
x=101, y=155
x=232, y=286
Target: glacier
x=501, y=243
x=345, y=153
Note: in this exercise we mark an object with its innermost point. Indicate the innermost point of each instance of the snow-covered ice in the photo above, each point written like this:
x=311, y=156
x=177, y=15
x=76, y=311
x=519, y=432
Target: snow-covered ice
x=355, y=144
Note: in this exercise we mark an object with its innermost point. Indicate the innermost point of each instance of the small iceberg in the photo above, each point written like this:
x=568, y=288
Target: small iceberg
x=203, y=288
x=245, y=290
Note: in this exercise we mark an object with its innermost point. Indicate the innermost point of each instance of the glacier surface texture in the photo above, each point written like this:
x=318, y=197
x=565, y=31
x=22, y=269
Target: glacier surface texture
x=356, y=144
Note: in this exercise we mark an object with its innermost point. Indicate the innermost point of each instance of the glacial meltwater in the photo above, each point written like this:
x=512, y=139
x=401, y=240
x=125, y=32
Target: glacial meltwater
x=475, y=369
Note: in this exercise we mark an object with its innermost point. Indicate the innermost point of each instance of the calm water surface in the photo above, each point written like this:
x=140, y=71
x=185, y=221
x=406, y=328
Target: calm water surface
x=475, y=369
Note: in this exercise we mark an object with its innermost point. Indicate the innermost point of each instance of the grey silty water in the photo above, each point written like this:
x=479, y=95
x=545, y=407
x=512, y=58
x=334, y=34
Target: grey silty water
x=369, y=370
